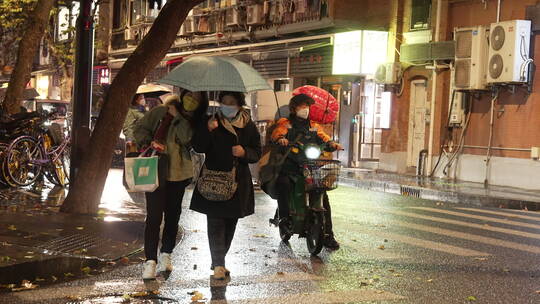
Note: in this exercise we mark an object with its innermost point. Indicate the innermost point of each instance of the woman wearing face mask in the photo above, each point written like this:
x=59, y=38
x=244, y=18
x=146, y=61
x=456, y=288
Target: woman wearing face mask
x=168, y=128
x=299, y=128
x=136, y=111
x=228, y=139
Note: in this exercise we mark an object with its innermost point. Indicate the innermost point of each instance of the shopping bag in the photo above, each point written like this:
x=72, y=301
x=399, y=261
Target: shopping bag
x=142, y=173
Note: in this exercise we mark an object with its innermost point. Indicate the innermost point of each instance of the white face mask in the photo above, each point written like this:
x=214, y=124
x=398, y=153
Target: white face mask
x=304, y=113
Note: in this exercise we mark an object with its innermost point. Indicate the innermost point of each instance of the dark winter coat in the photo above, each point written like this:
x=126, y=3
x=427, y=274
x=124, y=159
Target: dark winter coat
x=217, y=145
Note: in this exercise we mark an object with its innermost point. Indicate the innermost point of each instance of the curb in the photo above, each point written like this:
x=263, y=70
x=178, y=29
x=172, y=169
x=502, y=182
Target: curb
x=453, y=197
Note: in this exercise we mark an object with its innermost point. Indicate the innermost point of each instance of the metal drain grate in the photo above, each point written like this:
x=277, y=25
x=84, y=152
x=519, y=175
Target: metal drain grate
x=70, y=243
x=409, y=191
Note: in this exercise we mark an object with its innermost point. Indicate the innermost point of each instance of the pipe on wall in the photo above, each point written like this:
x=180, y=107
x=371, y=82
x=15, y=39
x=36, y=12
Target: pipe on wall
x=498, y=148
x=437, y=37
x=498, y=11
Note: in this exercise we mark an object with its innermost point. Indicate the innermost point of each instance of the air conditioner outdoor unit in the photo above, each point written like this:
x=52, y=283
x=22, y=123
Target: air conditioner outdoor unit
x=388, y=73
x=509, y=52
x=471, y=57
x=255, y=14
x=190, y=25
x=233, y=17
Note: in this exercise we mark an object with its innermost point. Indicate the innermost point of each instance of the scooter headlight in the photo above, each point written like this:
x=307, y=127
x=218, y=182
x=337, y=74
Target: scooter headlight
x=312, y=152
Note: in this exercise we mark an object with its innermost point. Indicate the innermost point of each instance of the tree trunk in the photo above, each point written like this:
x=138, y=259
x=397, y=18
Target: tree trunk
x=85, y=191
x=38, y=21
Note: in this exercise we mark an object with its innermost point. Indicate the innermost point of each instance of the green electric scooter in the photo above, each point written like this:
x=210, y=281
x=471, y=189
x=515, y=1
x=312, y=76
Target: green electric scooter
x=306, y=200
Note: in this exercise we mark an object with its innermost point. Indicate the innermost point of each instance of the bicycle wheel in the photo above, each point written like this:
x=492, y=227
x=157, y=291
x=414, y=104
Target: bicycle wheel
x=60, y=168
x=3, y=179
x=23, y=161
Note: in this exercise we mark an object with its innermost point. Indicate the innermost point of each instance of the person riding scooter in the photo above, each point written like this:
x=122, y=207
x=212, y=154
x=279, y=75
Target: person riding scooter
x=298, y=128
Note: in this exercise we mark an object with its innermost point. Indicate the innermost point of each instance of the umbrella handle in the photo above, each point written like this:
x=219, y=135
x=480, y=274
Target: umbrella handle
x=277, y=104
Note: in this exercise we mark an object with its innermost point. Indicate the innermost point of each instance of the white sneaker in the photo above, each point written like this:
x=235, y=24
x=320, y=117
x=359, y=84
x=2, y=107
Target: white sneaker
x=149, y=270
x=165, y=263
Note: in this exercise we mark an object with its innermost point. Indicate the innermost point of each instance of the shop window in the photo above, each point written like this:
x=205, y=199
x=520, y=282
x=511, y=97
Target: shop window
x=420, y=15
x=137, y=10
x=120, y=10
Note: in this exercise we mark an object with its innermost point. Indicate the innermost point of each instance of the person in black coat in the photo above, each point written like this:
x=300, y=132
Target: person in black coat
x=229, y=138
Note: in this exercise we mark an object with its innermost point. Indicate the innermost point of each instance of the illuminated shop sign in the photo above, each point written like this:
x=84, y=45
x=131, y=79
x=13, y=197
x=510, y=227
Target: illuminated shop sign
x=359, y=52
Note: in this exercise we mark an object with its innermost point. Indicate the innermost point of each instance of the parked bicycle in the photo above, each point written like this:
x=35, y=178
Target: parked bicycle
x=44, y=149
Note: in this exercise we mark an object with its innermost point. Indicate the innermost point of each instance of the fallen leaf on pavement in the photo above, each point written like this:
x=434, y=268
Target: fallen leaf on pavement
x=68, y=274
x=54, y=278
x=5, y=258
x=12, y=227
x=194, y=248
x=25, y=285
x=86, y=270
x=381, y=247
x=140, y=294
x=197, y=296
x=379, y=291
x=28, y=256
x=74, y=298
x=195, y=267
x=124, y=260
x=38, y=279
x=59, y=229
x=471, y=298
x=280, y=273
x=263, y=236
x=429, y=280
x=79, y=228
x=481, y=259
x=506, y=270
x=398, y=274
x=126, y=297
x=252, y=249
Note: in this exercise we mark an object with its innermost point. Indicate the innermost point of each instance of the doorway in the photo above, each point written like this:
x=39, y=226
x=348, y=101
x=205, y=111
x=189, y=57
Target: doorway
x=417, y=122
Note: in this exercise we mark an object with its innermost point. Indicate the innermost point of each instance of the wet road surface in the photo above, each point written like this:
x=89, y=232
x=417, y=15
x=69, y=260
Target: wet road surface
x=394, y=250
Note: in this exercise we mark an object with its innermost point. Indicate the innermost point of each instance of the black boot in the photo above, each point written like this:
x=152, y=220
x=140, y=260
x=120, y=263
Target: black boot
x=330, y=242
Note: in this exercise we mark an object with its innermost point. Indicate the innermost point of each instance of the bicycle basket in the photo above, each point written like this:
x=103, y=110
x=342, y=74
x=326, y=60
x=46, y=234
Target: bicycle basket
x=322, y=174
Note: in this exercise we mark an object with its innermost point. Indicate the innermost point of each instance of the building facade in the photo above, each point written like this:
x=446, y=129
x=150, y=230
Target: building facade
x=397, y=119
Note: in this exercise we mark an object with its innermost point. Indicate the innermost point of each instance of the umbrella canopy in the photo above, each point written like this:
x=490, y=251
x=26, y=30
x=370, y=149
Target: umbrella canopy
x=217, y=73
x=325, y=108
x=152, y=89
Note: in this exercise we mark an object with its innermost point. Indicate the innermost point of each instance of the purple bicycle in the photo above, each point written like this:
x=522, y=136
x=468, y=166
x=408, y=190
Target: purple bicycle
x=46, y=151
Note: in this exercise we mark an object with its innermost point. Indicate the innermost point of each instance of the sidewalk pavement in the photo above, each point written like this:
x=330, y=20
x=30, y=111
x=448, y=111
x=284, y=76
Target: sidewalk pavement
x=442, y=190
x=40, y=244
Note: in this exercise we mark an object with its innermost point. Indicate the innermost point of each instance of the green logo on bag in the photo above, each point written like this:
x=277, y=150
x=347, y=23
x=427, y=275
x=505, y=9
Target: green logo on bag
x=145, y=170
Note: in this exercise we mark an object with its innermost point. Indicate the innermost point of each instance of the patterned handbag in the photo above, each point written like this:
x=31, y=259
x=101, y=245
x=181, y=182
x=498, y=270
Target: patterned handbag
x=217, y=186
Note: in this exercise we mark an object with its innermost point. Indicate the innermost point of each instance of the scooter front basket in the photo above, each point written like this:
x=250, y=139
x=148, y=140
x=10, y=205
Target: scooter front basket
x=322, y=174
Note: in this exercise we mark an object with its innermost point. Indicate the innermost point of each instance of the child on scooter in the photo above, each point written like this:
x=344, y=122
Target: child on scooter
x=298, y=127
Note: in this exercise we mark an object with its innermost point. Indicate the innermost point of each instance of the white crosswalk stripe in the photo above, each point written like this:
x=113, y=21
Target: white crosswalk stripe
x=503, y=213
x=479, y=217
x=470, y=237
x=464, y=224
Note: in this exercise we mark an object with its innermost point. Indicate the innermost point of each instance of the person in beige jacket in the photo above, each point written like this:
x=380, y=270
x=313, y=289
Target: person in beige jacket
x=168, y=129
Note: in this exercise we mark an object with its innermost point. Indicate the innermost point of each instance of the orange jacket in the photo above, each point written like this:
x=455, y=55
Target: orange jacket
x=283, y=125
